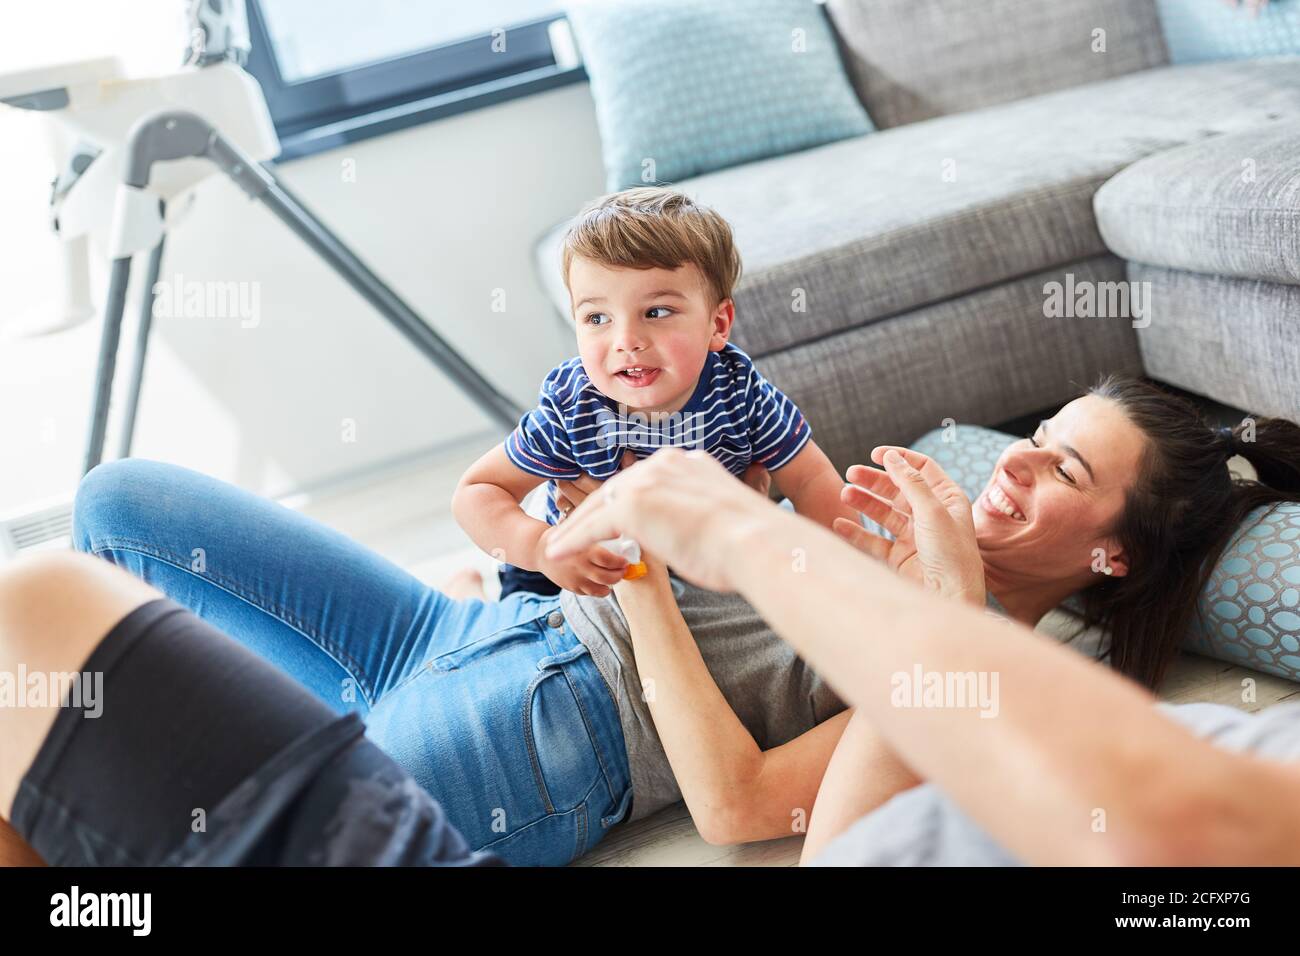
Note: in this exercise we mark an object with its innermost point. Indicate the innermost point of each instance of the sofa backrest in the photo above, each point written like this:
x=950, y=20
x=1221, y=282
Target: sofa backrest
x=914, y=59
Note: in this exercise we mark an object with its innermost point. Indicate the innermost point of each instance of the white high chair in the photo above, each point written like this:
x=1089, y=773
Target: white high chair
x=142, y=145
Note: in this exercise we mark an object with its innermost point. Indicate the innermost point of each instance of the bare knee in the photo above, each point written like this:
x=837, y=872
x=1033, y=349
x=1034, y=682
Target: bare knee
x=55, y=607
x=54, y=602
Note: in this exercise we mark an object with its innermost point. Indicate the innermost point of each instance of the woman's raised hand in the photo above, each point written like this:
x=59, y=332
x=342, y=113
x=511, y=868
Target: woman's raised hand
x=928, y=515
x=680, y=506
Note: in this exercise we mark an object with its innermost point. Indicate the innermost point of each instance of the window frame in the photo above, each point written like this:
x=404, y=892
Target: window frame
x=371, y=99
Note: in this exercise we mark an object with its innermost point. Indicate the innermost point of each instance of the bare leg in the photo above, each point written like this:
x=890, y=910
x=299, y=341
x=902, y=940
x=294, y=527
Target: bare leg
x=55, y=608
x=863, y=773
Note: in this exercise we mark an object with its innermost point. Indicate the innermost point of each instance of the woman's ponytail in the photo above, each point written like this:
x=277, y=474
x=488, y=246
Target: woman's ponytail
x=1272, y=446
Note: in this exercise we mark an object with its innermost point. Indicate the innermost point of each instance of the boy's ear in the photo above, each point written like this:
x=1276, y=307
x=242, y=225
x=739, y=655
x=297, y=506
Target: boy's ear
x=723, y=318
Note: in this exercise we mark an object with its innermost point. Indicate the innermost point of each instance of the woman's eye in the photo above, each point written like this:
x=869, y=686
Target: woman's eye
x=1059, y=470
x=650, y=313
x=594, y=318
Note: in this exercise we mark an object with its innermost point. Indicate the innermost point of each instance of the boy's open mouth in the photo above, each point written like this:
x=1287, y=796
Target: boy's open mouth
x=638, y=376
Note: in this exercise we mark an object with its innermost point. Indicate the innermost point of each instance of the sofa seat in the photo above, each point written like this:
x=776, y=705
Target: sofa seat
x=1228, y=207
x=880, y=225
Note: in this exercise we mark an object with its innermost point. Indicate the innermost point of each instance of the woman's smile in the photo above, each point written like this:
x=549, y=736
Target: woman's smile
x=997, y=502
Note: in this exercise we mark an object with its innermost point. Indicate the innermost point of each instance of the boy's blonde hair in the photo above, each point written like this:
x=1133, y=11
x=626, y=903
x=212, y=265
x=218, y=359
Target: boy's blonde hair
x=650, y=227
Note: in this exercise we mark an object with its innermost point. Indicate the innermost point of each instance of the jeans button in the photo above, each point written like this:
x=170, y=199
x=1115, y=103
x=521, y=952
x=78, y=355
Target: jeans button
x=555, y=619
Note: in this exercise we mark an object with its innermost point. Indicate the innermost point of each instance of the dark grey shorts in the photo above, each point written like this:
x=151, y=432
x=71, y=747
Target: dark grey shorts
x=205, y=754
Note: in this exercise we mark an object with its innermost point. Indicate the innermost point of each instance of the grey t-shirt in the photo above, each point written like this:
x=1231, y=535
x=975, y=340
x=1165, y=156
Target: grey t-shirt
x=922, y=827
x=774, y=693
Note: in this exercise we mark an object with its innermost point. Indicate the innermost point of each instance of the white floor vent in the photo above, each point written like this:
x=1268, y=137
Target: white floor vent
x=47, y=526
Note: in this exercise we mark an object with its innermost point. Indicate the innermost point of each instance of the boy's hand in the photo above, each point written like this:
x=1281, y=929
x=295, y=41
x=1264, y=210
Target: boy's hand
x=592, y=571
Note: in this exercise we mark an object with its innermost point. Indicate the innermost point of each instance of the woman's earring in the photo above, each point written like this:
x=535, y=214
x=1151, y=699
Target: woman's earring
x=1108, y=570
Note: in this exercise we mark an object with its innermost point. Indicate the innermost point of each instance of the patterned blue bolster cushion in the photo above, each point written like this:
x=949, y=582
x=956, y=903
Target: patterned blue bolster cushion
x=1251, y=604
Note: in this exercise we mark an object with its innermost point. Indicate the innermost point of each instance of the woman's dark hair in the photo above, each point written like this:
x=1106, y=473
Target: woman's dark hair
x=1180, y=514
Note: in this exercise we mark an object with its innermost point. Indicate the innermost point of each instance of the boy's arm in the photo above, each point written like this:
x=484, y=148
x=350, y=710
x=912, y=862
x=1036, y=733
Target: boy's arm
x=486, y=505
x=811, y=483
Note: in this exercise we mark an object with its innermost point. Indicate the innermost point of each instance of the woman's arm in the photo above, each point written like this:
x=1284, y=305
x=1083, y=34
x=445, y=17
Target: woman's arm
x=1076, y=766
x=864, y=773
x=1072, y=747
x=735, y=791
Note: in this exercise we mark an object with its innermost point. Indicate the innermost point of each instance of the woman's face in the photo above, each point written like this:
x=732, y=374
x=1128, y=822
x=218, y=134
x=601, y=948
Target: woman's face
x=1054, y=497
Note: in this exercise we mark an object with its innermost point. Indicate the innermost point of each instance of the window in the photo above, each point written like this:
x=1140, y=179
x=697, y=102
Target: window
x=334, y=71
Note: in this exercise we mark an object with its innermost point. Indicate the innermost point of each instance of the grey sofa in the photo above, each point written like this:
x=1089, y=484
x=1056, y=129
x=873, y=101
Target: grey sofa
x=923, y=252
x=1213, y=231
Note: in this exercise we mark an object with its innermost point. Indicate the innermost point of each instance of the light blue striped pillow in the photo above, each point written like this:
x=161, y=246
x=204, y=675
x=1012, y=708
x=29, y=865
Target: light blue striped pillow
x=1198, y=30
x=683, y=87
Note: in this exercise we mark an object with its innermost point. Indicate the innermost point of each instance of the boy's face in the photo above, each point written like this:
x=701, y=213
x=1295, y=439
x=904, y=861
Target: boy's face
x=660, y=321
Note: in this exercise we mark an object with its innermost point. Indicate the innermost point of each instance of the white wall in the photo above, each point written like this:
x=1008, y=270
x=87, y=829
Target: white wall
x=446, y=212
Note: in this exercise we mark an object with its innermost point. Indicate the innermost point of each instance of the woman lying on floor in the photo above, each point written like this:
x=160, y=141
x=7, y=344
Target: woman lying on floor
x=1124, y=497
x=483, y=703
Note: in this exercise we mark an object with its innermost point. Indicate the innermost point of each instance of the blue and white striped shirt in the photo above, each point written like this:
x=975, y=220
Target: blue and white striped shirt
x=735, y=414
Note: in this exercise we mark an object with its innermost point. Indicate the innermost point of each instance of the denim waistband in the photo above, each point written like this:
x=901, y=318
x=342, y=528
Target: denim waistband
x=599, y=710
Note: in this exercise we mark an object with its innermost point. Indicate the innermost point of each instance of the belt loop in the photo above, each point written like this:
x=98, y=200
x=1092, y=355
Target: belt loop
x=555, y=660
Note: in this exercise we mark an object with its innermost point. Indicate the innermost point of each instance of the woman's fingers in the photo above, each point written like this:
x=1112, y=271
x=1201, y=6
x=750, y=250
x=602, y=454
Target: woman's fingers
x=588, y=523
x=945, y=489
x=568, y=496
x=576, y=491
x=892, y=516
x=873, y=478
x=913, y=486
x=916, y=459
x=592, y=522
x=680, y=506
x=862, y=539
x=876, y=481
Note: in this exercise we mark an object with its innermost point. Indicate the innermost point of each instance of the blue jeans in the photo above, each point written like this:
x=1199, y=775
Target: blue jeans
x=495, y=708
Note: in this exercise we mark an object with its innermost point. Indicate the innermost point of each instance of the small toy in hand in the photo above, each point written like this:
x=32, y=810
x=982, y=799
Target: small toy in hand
x=631, y=552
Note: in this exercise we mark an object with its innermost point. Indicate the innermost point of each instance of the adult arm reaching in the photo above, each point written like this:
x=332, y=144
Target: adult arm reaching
x=1069, y=738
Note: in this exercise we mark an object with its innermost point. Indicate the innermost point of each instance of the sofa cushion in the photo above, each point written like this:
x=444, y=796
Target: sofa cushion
x=1250, y=608
x=1200, y=30
x=915, y=59
x=745, y=79
x=1229, y=206
x=844, y=235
